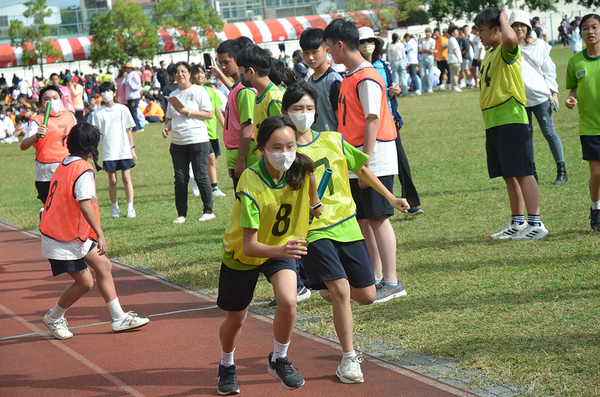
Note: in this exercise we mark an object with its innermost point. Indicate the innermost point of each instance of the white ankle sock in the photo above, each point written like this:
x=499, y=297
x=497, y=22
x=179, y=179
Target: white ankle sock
x=349, y=354
x=57, y=312
x=115, y=205
x=280, y=350
x=129, y=206
x=596, y=205
x=115, y=309
x=227, y=358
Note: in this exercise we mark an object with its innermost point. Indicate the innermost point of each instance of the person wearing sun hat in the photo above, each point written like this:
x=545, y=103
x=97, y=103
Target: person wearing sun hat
x=133, y=85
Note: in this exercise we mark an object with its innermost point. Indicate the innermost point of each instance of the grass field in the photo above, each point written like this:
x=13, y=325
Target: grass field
x=525, y=312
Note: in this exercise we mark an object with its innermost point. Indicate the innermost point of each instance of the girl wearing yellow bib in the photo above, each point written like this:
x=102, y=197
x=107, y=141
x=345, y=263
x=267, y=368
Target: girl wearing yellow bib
x=265, y=233
x=338, y=259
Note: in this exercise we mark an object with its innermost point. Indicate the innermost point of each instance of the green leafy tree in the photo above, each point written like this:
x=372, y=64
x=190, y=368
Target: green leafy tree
x=32, y=39
x=122, y=33
x=192, y=18
x=405, y=12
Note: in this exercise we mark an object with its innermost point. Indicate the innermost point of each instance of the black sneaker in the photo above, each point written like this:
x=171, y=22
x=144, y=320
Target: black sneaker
x=595, y=219
x=228, y=380
x=282, y=369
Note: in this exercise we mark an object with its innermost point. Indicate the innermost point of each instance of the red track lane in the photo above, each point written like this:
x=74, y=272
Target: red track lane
x=176, y=354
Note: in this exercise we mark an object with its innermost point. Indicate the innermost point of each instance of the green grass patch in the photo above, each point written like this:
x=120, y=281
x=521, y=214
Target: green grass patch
x=527, y=312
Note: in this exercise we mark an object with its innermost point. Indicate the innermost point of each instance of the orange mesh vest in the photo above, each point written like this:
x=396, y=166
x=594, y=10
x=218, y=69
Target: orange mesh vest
x=351, y=117
x=62, y=219
x=53, y=147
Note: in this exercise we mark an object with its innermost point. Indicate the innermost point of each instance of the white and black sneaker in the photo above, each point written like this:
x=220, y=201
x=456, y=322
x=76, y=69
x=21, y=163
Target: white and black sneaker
x=227, y=380
x=512, y=229
x=532, y=233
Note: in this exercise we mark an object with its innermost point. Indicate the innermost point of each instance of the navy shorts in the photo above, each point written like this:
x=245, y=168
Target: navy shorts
x=116, y=165
x=369, y=203
x=214, y=147
x=66, y=266
x=509, y=151
x=236, y=287
x=329, y=260
x=590, y=146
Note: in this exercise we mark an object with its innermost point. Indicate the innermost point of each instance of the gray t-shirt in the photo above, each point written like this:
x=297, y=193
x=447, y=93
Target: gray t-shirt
x=427, y=45
x=328, y=87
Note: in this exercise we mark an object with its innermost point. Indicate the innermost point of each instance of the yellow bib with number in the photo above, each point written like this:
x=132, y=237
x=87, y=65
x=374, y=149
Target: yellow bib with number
x=500, y=80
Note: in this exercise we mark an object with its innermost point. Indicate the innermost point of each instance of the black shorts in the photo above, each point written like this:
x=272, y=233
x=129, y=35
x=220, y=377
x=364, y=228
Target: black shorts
x=476, y=63
x=443, y=67
x=329, y=260
x=214, y=147
x=509, y=151
x=236, y=287
x=43, y=188
x=66, y=266
x=590, y=147
x=116, y=165
x=369, y=203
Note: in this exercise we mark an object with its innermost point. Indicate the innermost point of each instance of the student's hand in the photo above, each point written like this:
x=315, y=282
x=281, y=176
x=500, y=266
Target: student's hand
x=395, y=90
x=503, y=16
x=42, y=130
x=400, y=204
x=101, y=245
x=216, y=71
x=570, y=102
x=318, y=212
x=180, y=109
x=293, y=248
x=165, y=133
x=133, y=155
x=554, y=100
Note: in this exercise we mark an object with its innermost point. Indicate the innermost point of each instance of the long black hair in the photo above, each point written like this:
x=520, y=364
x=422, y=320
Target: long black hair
x=301, y=165
x=83, y=139
x=295, y=92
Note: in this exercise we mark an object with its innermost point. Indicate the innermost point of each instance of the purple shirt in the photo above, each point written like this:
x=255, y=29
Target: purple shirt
x=133, y=85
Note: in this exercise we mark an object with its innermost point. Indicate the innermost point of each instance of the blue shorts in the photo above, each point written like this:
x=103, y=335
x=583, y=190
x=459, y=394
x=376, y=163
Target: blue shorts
x=66, y=266
x=116, y=165
x=590, y=147
x=214, y=147
x=509, y=151
x=236, y=287
x=329, y=260
x=369, y=203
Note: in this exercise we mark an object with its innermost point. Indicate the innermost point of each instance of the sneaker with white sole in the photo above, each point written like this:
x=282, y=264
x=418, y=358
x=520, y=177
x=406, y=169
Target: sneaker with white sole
x=130, y=213
x=129, y=321
x=227, y=380
x=115, y=212
x=385, y=292
x=349, y=370
x=303, y=293
x=59, y=328
x=181, y=219
x=282, y=369
x=532, y=233
x=207, y=217
x=218, y=193
x=511, y=229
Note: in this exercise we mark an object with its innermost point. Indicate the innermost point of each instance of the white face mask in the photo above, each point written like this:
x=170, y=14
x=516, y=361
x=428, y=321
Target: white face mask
x=302, y=121
x=55, y=105
x=107, y=96
x=367, y=48
x=281, y=161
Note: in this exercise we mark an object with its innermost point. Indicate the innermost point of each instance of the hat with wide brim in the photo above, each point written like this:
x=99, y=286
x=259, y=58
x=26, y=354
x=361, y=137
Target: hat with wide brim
x=127, y=65
x=366, y=33
x=519, y=16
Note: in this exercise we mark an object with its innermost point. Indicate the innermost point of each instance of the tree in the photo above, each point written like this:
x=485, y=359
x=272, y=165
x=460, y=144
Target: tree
x=407, y=12
x=32, y=39
x=122, y=33
x=192, y=19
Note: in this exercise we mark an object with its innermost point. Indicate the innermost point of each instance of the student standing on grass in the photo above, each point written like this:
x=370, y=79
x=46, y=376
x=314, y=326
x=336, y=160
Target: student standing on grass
x=118, y=150
x=368, y=125
x=338, y=258
x=70, y=228
x=508, y=141
x=48, y=141
x=238, y=131
x=583, y=79
x=265, y=234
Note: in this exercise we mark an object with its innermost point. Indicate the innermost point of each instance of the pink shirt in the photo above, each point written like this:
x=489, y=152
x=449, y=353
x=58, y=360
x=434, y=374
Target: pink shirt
x=232, y=127
x=67, y=101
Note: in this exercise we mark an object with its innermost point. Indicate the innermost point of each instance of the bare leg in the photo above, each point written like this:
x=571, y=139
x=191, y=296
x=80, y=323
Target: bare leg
x=594, y=180
x=515, y=196
x=531, y=197
x=102, y=266
x=342, y=312
x=126, y=176
x=385, y=238
x=83, y=283
x=231, y=329
x=112, y=186
x=367, y=233
x=364, y=296
x=285, y=289
x=212, y=168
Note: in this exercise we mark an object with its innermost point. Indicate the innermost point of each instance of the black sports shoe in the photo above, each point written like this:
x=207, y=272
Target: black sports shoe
x=228, y=380
x=282, y=369
x=595, y=219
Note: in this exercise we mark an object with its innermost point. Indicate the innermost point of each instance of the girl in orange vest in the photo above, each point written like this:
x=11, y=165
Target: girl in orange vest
x=70, y=228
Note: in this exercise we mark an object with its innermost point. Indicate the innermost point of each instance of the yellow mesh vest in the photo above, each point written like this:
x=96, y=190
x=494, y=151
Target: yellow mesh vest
x=499, y=80
x=261, y=109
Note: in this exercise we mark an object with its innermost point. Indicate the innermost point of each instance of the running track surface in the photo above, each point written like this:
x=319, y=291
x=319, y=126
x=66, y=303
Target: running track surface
x=176, y=354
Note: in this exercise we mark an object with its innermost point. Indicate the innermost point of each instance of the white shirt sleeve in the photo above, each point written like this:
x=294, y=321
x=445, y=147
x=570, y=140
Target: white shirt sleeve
x=549, y=72
x=369, y=94
x=204, y=101
x=32, y=130
x=85, y=187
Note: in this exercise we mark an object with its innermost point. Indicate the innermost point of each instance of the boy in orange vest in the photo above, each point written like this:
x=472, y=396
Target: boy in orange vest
x=368, y=126
x=70, y=228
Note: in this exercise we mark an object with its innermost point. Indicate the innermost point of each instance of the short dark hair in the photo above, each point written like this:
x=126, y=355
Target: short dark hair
x=343, y=30
x=84, y=139
x=256, y=58
x=197, y=68
x=395, y=38
x=234, y=46
x=171, y=69
x=184, y=64
x=107, y=86
x=451, y=30
x=312, y=39
x=489, y=18
x=277, y=69
x=50, y=87
x=590, y=16
x=54, y=74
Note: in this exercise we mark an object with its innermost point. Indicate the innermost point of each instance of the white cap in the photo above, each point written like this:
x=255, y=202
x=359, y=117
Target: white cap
x=366, y=32
x=519, y=16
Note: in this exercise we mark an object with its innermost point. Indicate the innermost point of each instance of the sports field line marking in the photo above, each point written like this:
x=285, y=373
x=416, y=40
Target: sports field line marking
x=108, y=322
x=105, y=374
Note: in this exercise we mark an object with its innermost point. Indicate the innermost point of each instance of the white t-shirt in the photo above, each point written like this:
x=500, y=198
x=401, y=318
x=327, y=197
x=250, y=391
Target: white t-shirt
x=477, y=48
x=43, y=171
x=412, y=52
x=395, y=51
x=113, y=123
x=427, y=45
x=223, y=99
x=8, y=125
x=538, y=88
x=453, y=45
x=187, y=130
x=24, y=87
x=84, y=189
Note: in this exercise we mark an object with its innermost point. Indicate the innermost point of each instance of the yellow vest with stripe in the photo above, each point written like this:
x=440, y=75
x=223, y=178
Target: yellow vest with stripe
x=283, y=212
x=500, y=81
x=327, y=151
x=261, y=108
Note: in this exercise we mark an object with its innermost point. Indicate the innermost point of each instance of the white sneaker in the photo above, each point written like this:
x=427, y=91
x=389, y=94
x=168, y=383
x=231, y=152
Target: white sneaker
x=442, y=87
x=129, y=321
x=456, y=89
x=115, y=212
x=510, y=230
x=417, y=92
x=130, y=213
x=218, y=193
x=59, y=328
x=429, y=91
x=349, y=370
x=532, y=233
x=303, y=293
x=181, y=219
x=207, y=217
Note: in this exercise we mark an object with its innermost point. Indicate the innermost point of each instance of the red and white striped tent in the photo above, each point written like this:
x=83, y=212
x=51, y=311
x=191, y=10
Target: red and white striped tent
x=79, y=48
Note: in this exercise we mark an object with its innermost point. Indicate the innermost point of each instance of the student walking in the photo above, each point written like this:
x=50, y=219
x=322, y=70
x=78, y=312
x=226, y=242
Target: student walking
x=72, y=238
